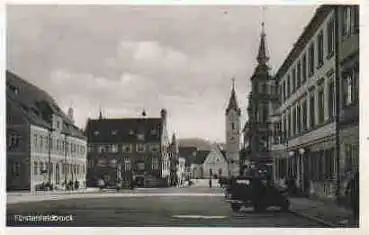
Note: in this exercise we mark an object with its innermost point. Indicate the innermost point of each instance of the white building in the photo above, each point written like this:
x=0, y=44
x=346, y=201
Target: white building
x=233, y=128
x=215, y=164
x=43, y=143
x=305, y=144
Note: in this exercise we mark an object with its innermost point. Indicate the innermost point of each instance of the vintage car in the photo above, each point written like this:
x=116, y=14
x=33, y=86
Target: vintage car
x=256, y=192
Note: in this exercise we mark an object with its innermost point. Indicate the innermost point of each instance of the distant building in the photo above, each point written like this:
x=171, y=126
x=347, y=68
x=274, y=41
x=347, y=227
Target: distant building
x=128, y=149
x=233, y=135
x=197, y=168
x=215, y=164
x=43, y=144
x=314, y=142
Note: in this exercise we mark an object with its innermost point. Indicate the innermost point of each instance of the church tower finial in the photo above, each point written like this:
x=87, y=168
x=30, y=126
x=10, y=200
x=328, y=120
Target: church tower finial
x=262, y=57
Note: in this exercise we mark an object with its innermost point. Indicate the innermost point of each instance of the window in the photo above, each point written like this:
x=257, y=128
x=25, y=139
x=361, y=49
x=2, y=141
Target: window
x=304, y=115
x=284, y=91
x=113, y=163
x=294, y=82
x=289, y=121
x=298, y=119
x=42, y=168
x=304, y=68
x=57, y=124
x=233, y=126
x=127, y=148
x=298, y=74
x=321, y=108
x=320, y=49
x=329, y=164
x=101, y=149
x=311, y=60
x=293, y=121
x=155, y=163
x=114, y=148
x=13, y=140
x=101, y=162
x=140, y=148
x=312, y=111
x=155, y=148
x=35, y=168
x=331, y=100
x=330, y=37
x=35, y=140
x=41, y=142
x=288, y=86
x=114, y=132
x=96, y=133
x=127, y=164
x=140, y=136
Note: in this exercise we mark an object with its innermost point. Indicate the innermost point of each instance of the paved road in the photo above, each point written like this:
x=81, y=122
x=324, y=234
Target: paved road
x=192, y=208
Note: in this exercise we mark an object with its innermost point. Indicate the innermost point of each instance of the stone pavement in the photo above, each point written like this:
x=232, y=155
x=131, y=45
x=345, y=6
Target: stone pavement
x=327, y=212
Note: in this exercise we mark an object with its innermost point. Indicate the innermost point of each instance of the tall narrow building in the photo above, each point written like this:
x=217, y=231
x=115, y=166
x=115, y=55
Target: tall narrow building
x=260, y=100
x=233, y=126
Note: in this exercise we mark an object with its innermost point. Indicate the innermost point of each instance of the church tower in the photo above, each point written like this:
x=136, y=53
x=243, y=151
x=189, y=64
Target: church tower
x=233, y=127
x=260, y=100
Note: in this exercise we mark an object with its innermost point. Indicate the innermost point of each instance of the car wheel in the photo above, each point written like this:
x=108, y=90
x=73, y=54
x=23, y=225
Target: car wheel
x=235, y=207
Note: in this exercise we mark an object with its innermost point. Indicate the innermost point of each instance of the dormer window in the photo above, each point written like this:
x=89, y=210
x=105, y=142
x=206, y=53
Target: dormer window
x=58, y=124
x=140, y=136
x=96, y=133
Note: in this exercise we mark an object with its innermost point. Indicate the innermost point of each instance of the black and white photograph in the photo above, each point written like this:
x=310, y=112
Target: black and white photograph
x=139, y=115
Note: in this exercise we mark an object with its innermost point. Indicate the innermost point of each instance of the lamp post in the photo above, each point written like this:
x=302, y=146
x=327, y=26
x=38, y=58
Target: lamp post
x=301, y=168
x=290, y=161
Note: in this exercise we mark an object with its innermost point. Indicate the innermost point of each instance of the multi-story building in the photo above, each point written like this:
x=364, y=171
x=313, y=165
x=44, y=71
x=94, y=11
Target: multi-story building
x=306, y=145
x=128, y=149
x=233, y=135
x=44, y=146
x=260, y=101
x=348, y=66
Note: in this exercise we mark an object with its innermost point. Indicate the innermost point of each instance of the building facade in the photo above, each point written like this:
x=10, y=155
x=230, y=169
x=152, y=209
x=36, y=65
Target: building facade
x=260, y=102
x=44, y=146
x=174, y=161
x=128, y=150
x=215, y=164
x=306, y=140
x=233, y=134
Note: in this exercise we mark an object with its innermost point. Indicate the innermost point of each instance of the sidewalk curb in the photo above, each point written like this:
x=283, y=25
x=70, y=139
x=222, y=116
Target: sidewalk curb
x=325, y=223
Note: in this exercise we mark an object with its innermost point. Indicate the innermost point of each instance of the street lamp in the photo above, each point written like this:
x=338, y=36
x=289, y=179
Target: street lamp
x=301, y=168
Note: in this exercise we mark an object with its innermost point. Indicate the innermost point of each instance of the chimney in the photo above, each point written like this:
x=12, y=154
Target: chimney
x=163, y=114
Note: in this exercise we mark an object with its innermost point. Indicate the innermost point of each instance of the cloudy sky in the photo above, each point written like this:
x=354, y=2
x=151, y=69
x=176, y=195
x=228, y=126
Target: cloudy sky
x=129, y=58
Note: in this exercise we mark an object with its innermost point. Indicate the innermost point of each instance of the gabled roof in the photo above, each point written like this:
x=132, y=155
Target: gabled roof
x=36, y=104
x=233, y=104
x=201, y=156
x=124, y=130
x=188, y=153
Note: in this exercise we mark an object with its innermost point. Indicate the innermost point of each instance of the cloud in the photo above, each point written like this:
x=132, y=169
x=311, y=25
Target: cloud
x=129, y=58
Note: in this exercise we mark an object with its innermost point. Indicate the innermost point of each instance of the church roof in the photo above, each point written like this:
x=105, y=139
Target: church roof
x=233, y=104
x=262, y=57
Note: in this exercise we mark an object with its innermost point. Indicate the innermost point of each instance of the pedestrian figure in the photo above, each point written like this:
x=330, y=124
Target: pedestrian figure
x=101, y=184
x=210, y=183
